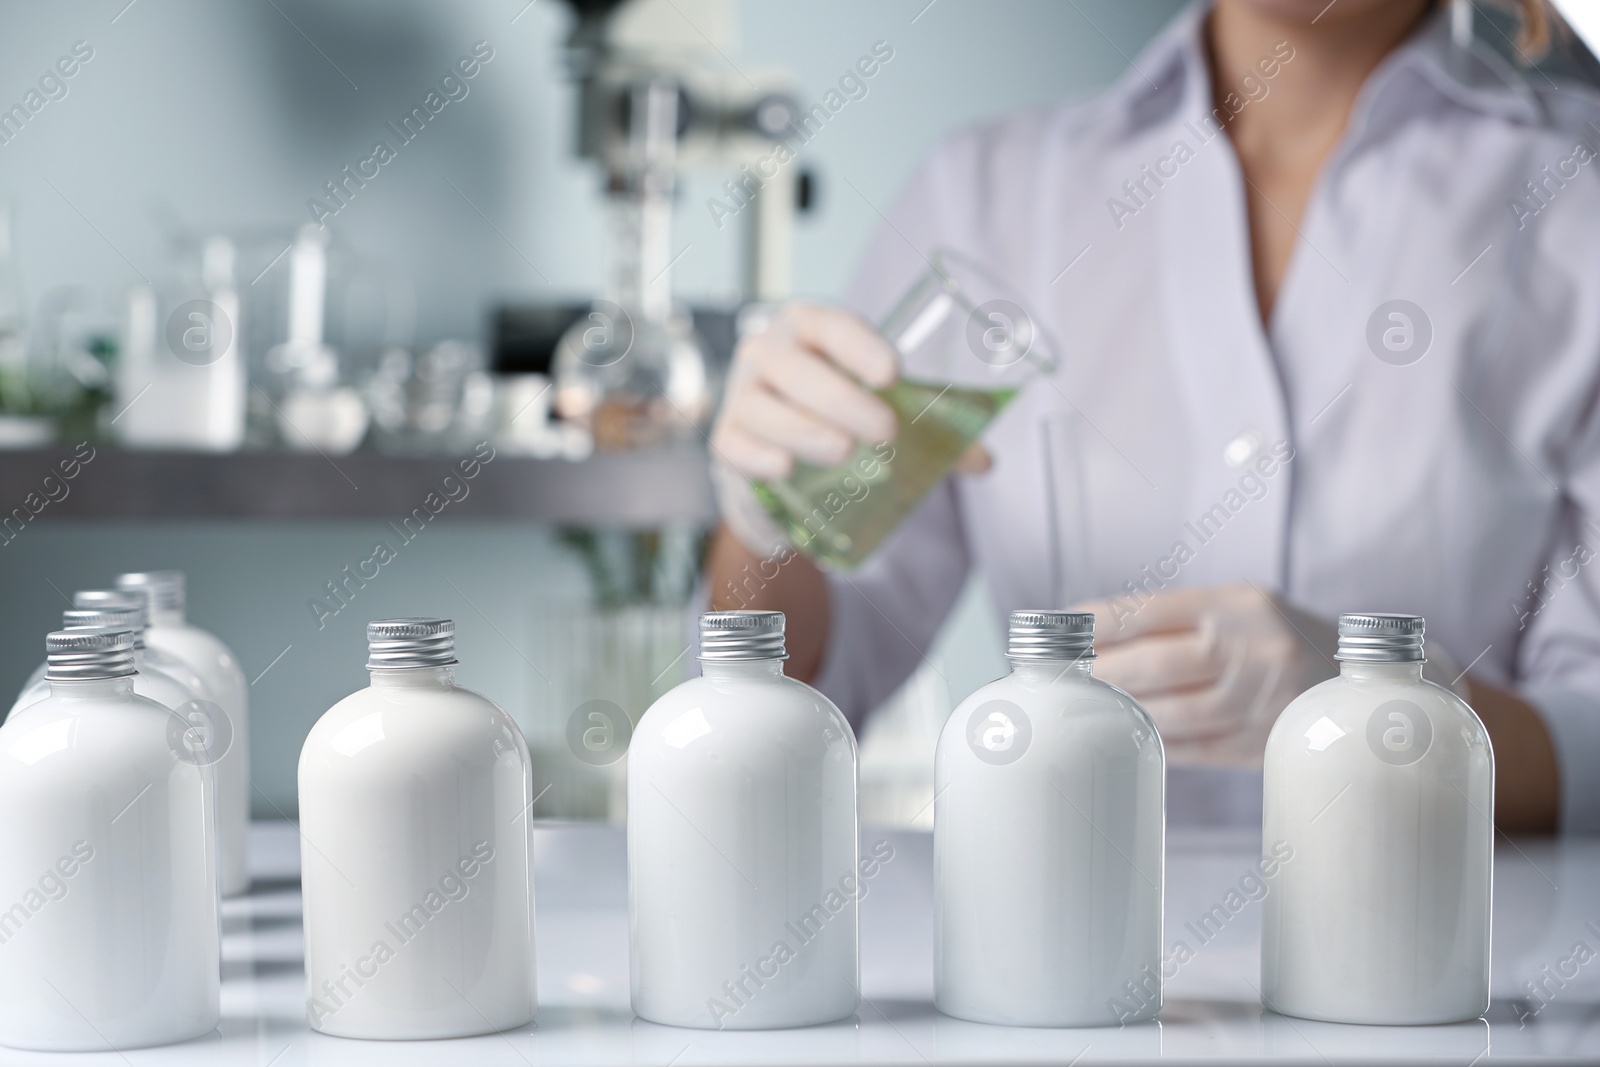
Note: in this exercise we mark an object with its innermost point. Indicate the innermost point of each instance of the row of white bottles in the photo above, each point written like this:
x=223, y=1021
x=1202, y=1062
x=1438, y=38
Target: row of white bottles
x=110, y=937
x=168, y=681
x=1048, y=842
x=194, y=674
x=744, y=867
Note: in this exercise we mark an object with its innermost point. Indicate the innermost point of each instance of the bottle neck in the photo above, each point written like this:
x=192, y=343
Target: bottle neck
x=414, y=678
x=1381, y=672
x=1046, y=671
x=92, y=688
x=724, y=669
x=166, y=617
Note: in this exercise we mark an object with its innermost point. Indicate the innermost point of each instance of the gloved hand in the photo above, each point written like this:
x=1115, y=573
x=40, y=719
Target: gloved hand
x=798, y=390
x=1215, y=666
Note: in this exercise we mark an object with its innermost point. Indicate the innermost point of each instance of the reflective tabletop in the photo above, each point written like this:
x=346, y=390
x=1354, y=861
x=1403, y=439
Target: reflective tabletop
x=1546, y=976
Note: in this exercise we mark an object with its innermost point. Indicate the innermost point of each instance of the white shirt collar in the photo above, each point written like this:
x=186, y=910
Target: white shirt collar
x=1170, y=78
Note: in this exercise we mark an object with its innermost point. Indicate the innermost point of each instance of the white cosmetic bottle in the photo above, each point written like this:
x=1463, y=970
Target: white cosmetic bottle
x=743, y=880
x=219, y=669
x=167, y=681
x=415, y=852
x=1379, y=788
x=1047, y=841
x=110, y=938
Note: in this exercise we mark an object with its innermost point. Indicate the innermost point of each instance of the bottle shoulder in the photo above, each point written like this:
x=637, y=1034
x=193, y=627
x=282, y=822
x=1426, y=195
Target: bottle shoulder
x=1340, y=698
x=374, y=719
x=775, y=709
x=122, y=730
x=1056, y=698
x=1386, y=713
x=1067, y=716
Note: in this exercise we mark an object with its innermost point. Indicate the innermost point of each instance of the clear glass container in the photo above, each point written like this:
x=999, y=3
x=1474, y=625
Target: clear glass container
x=967, y=346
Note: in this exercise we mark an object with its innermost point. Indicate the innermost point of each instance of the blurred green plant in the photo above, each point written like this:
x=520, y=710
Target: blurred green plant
x=71, y=386
x=629, y=568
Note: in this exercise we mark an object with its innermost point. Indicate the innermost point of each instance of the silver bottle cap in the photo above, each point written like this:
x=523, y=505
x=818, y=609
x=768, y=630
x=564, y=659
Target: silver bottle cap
x=130, y=619
x=79, y=655
x=98, y=599
x=405, y=644
x=164, y=588
x=1051, y=635
x=1380, y=638
x=108, y=598
x=742, y=635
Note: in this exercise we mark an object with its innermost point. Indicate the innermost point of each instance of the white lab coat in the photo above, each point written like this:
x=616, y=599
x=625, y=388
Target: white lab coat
x=1442, y=486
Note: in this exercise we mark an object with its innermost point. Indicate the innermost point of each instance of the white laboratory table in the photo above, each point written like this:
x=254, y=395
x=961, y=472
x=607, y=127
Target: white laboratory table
x=1547, y=902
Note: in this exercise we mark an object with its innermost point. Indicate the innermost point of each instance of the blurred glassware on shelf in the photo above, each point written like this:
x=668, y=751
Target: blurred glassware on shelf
x=26, y=431
x=316, y=411
x=438, y=401
x=181, y=380
x=632, y=382
x=306, y=294
x=522, y=423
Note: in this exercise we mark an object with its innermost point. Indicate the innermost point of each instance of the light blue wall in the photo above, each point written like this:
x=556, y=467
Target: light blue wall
x=227, y=116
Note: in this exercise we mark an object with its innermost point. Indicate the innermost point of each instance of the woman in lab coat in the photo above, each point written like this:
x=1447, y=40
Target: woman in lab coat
x=1319, y=272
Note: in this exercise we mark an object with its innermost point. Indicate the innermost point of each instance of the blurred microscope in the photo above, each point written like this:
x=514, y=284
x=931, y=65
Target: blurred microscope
x=634, y=368
x=657, y=98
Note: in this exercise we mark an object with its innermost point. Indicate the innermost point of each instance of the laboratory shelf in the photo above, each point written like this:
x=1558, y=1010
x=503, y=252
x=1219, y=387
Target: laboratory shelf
x=627, y=489
x=1544, y=903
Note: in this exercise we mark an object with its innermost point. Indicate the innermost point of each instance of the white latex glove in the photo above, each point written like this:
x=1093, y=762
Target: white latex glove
x=1215, y=666
x=799, y=390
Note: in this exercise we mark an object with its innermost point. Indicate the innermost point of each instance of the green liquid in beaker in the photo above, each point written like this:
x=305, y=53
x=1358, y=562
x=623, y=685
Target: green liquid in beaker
x=840, y=514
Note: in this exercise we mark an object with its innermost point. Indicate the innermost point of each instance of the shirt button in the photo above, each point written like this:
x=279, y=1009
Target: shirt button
x=1242, y=449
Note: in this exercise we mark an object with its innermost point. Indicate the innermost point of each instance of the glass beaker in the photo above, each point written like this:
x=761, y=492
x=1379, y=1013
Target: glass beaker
x=967, y=347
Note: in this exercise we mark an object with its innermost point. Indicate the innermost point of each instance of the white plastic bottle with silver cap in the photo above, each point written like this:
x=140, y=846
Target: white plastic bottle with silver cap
x=1379, y=801
x=1048, y=825
x=415, y=830
x=228, y=737
x=110, y=938
x=743, y=878
x=158, y=659
x=168, y=681
x=116, y=599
